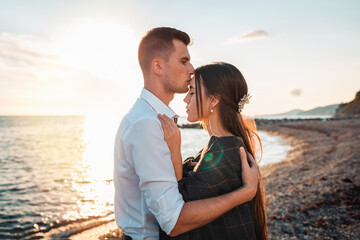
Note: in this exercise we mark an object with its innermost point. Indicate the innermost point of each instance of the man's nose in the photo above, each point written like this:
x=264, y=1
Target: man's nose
x=191, y=70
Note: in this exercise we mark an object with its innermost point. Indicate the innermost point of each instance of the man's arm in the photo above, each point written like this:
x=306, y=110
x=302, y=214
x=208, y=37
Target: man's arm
x=144, y=144
x=195, y=214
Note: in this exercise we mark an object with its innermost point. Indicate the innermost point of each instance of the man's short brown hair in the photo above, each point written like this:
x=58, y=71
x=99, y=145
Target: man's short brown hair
x=158, y=42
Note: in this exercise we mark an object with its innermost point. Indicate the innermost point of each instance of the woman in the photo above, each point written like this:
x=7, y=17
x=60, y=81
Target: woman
x=216, y=97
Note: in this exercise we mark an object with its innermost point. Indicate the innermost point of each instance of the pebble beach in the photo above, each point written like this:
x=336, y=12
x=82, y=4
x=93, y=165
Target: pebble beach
x=315, y=192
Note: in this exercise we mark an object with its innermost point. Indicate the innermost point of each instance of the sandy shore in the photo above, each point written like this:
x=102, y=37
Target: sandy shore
x=315, y=192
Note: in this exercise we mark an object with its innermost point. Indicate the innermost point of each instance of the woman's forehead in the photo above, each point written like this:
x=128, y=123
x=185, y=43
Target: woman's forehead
x=192, y=83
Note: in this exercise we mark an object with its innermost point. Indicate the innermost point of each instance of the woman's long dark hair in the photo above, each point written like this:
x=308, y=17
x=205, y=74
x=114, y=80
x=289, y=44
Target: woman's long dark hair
x=226, y=82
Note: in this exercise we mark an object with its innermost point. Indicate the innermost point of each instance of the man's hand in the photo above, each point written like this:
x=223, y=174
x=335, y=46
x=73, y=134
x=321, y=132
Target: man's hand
x=249, y=172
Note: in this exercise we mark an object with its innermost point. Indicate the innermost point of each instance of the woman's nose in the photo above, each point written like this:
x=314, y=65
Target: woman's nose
x=186, y=99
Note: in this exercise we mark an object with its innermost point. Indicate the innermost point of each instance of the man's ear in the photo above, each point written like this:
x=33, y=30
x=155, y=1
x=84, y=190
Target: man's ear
x=157, y=65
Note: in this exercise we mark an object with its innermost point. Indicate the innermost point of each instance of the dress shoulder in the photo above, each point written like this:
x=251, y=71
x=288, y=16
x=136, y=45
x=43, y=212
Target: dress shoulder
x=220, y=151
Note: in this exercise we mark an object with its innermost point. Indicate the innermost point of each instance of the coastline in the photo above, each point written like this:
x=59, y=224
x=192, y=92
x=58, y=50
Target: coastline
x=314, y=192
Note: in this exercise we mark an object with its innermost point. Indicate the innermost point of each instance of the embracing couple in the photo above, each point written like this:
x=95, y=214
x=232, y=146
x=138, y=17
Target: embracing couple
x=217, y=194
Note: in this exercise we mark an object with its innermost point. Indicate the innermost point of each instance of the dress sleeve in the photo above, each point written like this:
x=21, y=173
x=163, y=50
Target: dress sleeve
x=186, y=163
x=219, y=172
x=152, y=163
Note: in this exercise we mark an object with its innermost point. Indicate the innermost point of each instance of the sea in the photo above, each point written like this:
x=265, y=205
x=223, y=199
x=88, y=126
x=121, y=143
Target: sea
x=56, y=172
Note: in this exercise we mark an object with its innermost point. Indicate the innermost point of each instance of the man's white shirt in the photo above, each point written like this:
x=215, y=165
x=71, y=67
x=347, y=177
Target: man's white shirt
x=146, y=189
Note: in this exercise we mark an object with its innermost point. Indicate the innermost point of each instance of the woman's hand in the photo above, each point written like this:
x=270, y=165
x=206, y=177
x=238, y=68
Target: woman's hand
x=172, y=133
x=249, y=172
x=172, y=136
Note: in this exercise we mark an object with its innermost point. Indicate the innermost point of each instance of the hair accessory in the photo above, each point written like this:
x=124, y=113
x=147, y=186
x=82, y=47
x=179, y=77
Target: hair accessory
x=244, y=100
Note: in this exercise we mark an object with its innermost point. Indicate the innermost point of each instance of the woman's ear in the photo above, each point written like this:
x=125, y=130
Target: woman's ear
x=157, y=66
x=215, y=101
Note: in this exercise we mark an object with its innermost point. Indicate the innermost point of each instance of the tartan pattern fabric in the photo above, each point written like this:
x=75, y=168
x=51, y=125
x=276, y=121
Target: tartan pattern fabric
x=218, y=172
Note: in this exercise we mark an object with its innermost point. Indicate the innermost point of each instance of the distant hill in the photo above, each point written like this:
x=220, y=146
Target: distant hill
x=327, y=111
x=294, y=112
x=351, y=109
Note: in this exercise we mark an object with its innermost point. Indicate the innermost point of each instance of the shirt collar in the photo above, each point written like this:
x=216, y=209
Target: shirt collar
x=157, y=104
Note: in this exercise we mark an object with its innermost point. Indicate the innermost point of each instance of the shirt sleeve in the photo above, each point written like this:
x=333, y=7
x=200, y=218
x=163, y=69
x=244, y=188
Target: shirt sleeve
x=152, y=163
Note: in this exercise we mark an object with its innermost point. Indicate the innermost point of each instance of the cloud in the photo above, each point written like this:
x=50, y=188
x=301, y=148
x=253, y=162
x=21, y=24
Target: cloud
x=33, y=77
x=296, y=92
x=252, y=35
x=255, y=34
x=22, y=51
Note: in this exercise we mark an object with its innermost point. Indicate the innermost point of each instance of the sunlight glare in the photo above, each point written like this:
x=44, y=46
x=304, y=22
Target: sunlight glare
x=99, y=134
x=93, y=178
x=105, y=49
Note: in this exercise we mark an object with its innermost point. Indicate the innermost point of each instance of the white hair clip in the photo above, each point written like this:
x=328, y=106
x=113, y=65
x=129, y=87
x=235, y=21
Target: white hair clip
x=244, y=100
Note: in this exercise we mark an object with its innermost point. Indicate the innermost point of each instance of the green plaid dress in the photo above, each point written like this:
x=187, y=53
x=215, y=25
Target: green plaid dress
x=218, y=172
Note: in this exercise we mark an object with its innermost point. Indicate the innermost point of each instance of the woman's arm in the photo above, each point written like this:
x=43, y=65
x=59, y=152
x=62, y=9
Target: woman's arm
x=172, y=137
x=195, y=214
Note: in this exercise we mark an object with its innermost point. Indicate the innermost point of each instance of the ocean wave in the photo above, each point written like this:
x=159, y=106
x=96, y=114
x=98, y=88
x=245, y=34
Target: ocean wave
x=66, y=228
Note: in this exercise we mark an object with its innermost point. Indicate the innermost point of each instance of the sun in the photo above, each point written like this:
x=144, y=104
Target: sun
x=102, y=48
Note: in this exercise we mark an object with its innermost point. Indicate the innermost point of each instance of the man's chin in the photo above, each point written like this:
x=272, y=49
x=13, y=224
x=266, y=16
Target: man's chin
x=184, y=90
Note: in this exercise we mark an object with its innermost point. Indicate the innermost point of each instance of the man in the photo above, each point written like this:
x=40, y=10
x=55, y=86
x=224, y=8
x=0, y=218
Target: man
x=146, y=190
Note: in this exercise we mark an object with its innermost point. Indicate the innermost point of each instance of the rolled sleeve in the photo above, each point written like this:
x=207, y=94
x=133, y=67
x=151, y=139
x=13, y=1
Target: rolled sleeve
x=152, y=163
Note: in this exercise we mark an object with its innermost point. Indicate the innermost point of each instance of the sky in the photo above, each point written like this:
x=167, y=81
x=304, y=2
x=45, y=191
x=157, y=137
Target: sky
x=80, y=57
